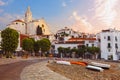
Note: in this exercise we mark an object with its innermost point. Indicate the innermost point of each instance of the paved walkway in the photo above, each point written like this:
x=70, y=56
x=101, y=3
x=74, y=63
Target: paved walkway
x=17, y=59
x=40, y=71
x=12, y=71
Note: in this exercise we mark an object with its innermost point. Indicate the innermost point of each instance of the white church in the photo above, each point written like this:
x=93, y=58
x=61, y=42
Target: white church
x=30, y=27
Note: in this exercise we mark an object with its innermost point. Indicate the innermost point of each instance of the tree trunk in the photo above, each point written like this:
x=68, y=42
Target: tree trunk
x=8, y=54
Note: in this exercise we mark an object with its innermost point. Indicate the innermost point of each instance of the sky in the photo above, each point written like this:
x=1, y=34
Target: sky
x=89, y=16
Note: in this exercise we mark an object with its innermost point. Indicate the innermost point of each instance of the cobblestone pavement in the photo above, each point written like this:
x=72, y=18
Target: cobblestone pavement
x=39, y=71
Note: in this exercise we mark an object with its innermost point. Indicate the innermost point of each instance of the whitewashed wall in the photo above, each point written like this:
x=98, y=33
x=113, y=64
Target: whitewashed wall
x=104, y=44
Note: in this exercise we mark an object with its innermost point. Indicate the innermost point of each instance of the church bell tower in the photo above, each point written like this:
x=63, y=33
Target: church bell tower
x=28, y=18
x=28, y=15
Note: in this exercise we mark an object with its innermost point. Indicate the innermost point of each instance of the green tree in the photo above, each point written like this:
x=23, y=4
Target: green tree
x=44, y=45
x=94, y=51
x=60, y=49
x=9, y=41
x=74, y=52
x=36, y=47
x=49, y=43
x=81, y=51
x=67, y=52
x=28, y=44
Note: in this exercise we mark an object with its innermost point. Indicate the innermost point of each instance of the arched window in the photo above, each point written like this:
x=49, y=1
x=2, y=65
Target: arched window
x=39, y=30
x=42, y=26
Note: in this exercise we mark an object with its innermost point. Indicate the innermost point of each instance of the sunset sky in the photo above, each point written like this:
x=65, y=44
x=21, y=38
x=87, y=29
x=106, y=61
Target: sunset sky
x=81, y=15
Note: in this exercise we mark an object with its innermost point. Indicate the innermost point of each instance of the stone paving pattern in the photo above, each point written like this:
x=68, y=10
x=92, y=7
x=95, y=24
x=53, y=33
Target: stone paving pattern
x=39, y=71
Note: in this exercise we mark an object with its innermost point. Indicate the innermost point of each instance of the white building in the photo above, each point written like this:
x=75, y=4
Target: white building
x=110, y=44
x=75, y=42
x=67, y=32
x=91, y=42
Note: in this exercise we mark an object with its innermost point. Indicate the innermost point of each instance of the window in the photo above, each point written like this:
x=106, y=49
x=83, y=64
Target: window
x=47, y=36
x=87, y=45
x=39, y=30
x=108, y=38
x=116, y=46
x=79, y=36
x=108, y=50
x=69, y=32
x=42, y=26
x=72, y=36
x=99, y=40
x=115, y=38
x=109, y=45
x=92, y=45
x=104, y=37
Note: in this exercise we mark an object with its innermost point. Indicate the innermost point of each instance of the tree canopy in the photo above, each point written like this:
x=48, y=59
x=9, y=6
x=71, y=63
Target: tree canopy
x=93, y=50
x=36, y=46
x=28, y=44
x=60, y=49
x=44, y=44
x=9, y=40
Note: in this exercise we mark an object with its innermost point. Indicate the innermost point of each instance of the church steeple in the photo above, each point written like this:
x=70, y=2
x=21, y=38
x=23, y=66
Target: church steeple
x=28, y=15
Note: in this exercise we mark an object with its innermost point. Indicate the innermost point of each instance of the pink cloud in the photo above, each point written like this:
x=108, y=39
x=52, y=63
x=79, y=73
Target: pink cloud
x=81, y=23
x=105, y=11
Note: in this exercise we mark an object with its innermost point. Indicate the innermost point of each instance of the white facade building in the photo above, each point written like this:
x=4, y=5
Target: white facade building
x=110, y=44
x=68, y=32
x=91, y=43
x=75, y=42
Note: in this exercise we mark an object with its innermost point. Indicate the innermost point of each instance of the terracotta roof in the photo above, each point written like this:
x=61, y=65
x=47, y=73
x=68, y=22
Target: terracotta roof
x=81, y=39
x=105, y=30
x=18, y=20
x=75, y=42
